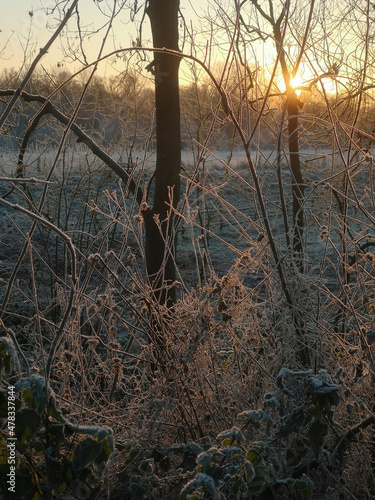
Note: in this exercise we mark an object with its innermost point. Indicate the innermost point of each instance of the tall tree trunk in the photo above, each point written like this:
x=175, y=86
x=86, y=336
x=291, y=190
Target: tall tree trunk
x=293, y=104
x=297, y=181
x=161, y=241
x=297, y=186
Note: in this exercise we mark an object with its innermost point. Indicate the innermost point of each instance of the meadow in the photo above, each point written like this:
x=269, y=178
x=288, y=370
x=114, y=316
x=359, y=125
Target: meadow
x=207, y=399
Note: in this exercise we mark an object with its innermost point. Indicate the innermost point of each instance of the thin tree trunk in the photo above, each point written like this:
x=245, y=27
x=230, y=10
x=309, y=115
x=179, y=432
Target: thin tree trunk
x=293, y=104
x=297, y=181
x=161, y=243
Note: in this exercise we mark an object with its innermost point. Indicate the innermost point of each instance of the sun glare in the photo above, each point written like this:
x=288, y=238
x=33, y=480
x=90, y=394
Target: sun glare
x=296, y=82
x=305, y=80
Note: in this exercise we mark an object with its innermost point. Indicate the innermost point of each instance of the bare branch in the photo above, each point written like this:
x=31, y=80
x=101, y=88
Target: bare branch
x=42, y=52
x=83, y=137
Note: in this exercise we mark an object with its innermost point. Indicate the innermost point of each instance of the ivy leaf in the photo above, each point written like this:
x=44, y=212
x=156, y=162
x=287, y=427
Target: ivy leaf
x=316, y=433
x=296, y=452
x=254, y=457
x=231, y=436
x=28, y=422
x=303, y=487
x=137, y=490
x=296, y=422
x=56, y=414
x=7, y=354
x=85, y=453
x=34, y=392
x=58, y=471
x=56, y=434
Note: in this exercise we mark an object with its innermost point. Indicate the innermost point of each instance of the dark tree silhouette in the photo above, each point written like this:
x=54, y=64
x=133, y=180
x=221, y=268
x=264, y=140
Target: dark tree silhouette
x=160, y=238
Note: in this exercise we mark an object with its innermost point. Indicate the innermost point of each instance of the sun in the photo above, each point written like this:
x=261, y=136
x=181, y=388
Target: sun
x=296, y=82
x=303, y=81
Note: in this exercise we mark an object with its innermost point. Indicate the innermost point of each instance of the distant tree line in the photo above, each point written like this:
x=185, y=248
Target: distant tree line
x=118, y=112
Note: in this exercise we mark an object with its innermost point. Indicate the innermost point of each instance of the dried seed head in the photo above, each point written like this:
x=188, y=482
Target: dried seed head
x=116, y=308
x=223, y=306
x=68, y=355
x=110, y=255
x=245, y=256
x=92, y=342
x=114, y=346
x=60, y=365
x=138, y=218
x=94, y=259
x=225, y=281
x=117, y=369
x=92, y=310
x=112, y=330
x=324, y=233
x=100, y=299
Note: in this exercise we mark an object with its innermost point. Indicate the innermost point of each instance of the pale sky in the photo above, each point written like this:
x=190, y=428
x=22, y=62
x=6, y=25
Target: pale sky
x=20, y=31
x=28, y=25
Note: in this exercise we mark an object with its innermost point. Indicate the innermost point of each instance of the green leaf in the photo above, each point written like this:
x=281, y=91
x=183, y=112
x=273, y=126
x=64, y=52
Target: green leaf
x=202, y=481
x=28, y=422
x=107, y=448
x=85, y=453
x=34, y=392
x=317, y=432
x=253, y=417
x=7, y=354
x=304, y=487
x=103, y=433
x=147, y=466
x=137, y=490
x=250, y=472
x=295, y=423
x=231, y=436
x=57, y=471
x=165, y=464
x=190, y=453
x=254, y=457
x=264, y=475
x=296, y=452
x=55, y=413
x=56, y=434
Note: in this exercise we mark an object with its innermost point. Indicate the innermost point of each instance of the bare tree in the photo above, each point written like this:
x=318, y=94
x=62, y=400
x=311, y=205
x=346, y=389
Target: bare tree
x=272, y=293
x=161, y=237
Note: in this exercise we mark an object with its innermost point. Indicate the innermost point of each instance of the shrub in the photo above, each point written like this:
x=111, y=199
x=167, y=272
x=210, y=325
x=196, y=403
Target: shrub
x=53, y=456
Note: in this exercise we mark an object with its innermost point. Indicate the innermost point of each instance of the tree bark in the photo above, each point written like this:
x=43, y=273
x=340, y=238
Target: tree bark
x=297, y=180
x=161, y=240
x=293, y=104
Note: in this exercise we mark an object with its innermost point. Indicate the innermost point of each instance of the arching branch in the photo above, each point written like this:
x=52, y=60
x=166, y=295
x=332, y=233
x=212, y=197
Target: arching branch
x=83, y=137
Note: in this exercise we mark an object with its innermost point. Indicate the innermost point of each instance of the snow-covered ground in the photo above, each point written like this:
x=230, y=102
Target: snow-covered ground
x=225, y=207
